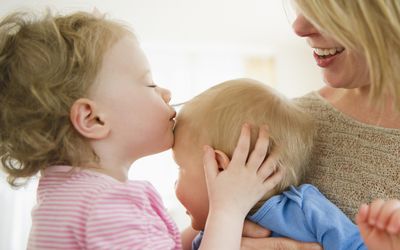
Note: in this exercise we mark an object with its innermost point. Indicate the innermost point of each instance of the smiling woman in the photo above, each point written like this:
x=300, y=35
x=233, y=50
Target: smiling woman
x=355, y=158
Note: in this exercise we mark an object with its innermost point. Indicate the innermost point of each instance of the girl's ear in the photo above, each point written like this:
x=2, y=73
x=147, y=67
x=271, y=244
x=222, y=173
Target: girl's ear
x=222, y=160
x=87, y=120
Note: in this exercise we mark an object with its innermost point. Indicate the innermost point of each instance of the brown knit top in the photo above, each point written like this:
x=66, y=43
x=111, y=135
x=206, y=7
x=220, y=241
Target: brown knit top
x=352, y=162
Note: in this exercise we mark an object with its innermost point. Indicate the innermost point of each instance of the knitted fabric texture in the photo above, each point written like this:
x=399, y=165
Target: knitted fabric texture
x=352, y=162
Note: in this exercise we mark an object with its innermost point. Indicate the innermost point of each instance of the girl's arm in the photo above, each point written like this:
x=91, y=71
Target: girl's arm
x=233, y=191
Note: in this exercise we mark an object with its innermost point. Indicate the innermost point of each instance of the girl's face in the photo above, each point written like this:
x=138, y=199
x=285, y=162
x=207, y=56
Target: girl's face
x=138, y=111
x=341, y=67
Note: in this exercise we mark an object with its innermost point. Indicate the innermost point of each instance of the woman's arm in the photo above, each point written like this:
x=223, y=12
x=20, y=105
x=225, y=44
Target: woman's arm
x=276, y=244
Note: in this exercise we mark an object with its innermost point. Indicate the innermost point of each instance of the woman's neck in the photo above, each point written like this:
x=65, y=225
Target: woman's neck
x=355, y=103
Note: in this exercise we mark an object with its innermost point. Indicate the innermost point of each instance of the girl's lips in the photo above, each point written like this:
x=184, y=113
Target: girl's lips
x=324, y=62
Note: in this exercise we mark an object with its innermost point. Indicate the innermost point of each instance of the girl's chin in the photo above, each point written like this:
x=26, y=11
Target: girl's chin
x=197, y=227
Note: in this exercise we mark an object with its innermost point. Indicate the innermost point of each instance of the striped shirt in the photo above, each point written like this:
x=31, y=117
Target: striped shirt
x=82, y=209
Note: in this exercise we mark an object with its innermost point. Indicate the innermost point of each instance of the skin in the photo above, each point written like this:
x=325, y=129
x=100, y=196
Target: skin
x=126, y=116
x=379, y=224
x=347, y=80
x=242, y=182
x=189, y=157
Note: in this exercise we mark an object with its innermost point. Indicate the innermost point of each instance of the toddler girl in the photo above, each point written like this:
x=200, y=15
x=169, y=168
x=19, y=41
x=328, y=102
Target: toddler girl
x=78, y=104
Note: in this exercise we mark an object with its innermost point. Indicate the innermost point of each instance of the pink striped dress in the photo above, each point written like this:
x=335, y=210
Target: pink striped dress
x=88, y=210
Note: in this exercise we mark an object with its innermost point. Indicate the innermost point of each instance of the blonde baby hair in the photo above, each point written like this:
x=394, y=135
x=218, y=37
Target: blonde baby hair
x=371, y=28
x=46, y=64
x=215, y=117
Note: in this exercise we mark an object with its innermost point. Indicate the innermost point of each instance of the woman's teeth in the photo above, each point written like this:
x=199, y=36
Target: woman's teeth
x=328, y=52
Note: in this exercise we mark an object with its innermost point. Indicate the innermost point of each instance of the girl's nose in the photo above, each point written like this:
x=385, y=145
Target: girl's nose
x=302, y=27
x=166, y=95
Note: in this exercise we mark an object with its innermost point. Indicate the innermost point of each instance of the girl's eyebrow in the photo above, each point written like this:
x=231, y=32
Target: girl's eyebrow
x=143, y=75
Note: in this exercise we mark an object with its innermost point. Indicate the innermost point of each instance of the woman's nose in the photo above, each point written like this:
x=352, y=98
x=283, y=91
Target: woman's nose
x=302, y=27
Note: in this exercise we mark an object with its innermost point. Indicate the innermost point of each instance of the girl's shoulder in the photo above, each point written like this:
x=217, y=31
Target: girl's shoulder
x=90, y=186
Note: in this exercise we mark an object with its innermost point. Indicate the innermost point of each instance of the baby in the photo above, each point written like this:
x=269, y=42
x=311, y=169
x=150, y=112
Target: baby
x=214, y=117
x=78, y=105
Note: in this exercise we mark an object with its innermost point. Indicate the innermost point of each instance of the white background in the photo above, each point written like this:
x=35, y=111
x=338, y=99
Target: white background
x=191, y=45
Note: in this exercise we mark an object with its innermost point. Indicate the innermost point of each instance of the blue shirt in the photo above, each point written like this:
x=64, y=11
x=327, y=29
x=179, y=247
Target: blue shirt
x=304, y=214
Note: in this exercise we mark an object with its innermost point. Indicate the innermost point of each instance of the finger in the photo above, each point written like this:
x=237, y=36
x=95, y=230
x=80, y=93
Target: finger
x=362, y=214
x=387, y=210
x=284, y=243
x=273, y=180
x=394, y=223
x=269, y=166
x=362, y=221
x=260, y=150
x=241, y=151
x=375, y=209
x=209, y=163
x=251, y=229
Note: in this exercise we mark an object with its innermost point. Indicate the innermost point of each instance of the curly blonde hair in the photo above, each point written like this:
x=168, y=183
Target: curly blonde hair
x=215, y=117
x=46, y=64
x=371, y=28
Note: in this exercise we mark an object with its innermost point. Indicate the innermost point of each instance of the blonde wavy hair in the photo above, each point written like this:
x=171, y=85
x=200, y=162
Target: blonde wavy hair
x=215, y=117
x=46, y=64
x=371, y=28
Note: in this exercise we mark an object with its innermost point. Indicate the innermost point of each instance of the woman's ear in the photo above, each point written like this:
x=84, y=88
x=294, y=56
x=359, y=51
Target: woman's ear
x=87, y=119
x=222, y=160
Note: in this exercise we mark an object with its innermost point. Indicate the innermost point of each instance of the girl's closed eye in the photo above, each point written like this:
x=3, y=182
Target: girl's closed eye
x=152, y=86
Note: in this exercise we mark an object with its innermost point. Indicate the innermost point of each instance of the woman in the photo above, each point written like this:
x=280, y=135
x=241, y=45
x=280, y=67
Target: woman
x=357, y=158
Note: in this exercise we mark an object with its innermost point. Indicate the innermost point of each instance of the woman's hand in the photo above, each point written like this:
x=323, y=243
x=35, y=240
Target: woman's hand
x=255, y=238
x=276, y=244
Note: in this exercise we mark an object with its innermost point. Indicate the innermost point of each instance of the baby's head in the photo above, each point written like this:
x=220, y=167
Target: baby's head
x=215, y=118
x=72, y=85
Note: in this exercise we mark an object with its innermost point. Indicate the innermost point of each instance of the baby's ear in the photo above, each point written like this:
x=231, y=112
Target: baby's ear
x=88, y=120
x=222, y=160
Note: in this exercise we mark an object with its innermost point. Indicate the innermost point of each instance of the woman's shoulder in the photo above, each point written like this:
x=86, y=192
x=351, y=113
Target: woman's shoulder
x=327, y=115
x=311, y=102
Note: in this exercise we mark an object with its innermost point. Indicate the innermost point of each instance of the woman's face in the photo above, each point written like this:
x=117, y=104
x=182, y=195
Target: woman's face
x=341, y=67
